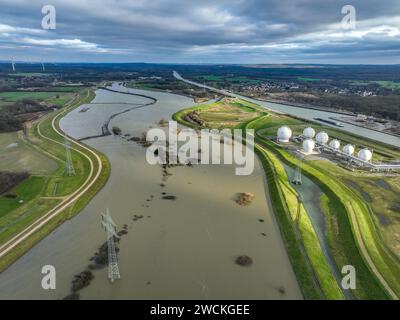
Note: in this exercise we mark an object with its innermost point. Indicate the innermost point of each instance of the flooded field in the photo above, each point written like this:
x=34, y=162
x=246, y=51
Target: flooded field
x=182, y=248
x=16, y=155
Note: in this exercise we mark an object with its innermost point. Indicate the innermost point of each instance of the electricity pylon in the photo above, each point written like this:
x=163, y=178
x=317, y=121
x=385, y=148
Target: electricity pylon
x=297, y=174
x=69, y=165
x=109, y=225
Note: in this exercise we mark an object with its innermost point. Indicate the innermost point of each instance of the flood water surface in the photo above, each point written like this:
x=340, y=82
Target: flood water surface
x=182, y=248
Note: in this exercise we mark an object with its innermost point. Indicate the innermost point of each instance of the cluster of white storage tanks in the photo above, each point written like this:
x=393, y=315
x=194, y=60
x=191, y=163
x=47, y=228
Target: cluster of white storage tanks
x=285, y=133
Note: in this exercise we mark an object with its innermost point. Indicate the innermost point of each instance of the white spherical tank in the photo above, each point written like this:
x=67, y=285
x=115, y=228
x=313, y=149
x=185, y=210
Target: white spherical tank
x=348, y=149
x=284, y=134
x=335, y=144
x=309, y=133
x=365, y=154
x=308, y=145
x=322, y=137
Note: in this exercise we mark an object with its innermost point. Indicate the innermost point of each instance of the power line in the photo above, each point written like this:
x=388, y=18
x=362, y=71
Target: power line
x=297, y=175
x=109, y=225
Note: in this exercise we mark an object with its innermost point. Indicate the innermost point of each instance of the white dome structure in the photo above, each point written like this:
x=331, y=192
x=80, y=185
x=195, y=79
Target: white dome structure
x=284, y=134
x=365, y=154
x=335, y=144
x=309, y=133
x=322, y=137
x=348, y=149
x=308, y=145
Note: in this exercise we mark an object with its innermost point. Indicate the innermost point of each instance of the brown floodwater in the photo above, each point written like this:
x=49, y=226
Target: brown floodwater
x=181, y=249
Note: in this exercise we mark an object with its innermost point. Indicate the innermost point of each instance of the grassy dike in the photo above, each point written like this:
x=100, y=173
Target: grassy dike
x=353, y=220
x=66, y=185
x=350, y=224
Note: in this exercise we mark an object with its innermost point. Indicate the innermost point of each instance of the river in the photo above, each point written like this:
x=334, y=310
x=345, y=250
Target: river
x=179, y=249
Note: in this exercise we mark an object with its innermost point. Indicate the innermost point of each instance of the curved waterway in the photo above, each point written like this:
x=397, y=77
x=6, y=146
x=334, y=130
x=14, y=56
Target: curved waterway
x=179, y=249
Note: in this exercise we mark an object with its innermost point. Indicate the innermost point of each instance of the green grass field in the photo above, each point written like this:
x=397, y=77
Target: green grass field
x=25, y=192
x=385, y=84
x=50, y=97
x=229, y=79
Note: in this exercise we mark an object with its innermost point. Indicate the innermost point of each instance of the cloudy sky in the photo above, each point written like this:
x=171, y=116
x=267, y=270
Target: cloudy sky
x=201, y=31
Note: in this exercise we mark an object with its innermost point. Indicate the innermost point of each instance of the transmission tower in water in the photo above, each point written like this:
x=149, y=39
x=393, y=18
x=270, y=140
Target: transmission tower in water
x=297, y=175
x=69, y=165
x=109, y=225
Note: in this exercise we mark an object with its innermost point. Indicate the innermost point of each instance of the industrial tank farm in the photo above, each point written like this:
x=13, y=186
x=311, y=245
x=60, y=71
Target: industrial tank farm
x=321, y=147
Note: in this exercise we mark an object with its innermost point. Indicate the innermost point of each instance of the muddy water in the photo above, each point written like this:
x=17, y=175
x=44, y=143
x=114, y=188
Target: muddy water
x=180, y=249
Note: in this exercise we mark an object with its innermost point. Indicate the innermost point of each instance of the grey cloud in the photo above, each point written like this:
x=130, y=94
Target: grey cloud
x=191, y=31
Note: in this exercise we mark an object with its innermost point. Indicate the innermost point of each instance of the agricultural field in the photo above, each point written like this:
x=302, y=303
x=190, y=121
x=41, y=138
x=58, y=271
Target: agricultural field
x=18, y=155
x=52, y=98
x=230, y=79
x=384, y=84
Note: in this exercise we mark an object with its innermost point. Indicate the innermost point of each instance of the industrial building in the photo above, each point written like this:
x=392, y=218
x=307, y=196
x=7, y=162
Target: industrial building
x=363, y=157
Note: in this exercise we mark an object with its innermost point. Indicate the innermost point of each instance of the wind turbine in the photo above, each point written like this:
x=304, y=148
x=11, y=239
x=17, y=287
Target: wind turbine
x=13, y=64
